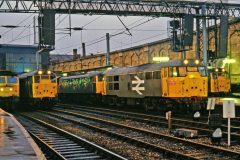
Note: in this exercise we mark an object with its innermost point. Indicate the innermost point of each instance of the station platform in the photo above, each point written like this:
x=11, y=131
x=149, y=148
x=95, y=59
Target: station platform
x=15, y=142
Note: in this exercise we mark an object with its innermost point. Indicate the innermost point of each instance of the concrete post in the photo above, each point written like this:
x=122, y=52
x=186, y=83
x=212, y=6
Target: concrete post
x=205, y=60
x=108, y=50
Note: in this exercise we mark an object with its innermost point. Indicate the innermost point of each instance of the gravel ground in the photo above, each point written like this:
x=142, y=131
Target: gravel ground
x=157, y=129
x=178, y=147
x=123, y=148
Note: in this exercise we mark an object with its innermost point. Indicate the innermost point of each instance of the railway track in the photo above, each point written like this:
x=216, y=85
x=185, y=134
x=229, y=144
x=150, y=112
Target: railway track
x=158, y=142
x=59, y=144
x=202, y=127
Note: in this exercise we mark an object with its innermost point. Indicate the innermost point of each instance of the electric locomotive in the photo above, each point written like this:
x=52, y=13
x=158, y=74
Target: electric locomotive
x=38, y=88
x=9, y=89
x=219, y=82
x=154, y=86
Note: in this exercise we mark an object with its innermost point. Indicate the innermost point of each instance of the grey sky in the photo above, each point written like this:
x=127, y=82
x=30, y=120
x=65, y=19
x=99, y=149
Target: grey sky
x=149, y=29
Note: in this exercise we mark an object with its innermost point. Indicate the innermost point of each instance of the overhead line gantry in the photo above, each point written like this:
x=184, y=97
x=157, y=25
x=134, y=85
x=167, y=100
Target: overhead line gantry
x=158, y=8
x=155, y=8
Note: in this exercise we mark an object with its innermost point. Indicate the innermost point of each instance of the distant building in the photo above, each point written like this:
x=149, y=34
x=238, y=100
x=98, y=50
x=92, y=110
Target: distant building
x=55, y=58
x=20, y=58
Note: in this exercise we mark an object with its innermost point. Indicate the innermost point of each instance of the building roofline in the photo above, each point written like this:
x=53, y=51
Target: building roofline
x=19, y=45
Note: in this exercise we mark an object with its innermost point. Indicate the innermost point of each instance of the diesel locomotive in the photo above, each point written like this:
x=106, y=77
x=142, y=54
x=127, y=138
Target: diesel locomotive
x=179, y=84
x=219, y=82
x=9, y=89
x=38, y=88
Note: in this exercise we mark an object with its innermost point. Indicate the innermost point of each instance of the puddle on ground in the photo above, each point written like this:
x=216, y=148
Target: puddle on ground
x=10, y=132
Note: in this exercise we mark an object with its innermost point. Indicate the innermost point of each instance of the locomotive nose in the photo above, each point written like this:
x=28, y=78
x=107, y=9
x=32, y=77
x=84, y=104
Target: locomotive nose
x=195, y=87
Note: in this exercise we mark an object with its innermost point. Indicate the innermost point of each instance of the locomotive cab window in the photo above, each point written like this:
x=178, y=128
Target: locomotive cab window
x=182, y=71
x=100, y=78
x=192, y=69
x=36, y=79
x=214, y=75
x=202, y=71
x=53, y=79
x=2, y=80
x=11, y=79
x=173, y=72
x=45, y=77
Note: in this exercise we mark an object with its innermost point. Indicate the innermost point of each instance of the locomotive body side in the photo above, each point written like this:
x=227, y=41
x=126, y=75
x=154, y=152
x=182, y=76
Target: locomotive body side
x=81, y=88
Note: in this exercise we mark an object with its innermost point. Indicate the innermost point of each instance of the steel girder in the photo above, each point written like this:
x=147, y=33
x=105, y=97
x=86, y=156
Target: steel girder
x=159, y=8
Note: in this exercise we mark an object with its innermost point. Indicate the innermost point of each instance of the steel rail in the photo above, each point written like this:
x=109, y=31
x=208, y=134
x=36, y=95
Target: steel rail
x=158, y=135
x=92, y=149
x=157, y=120
x=141, y=143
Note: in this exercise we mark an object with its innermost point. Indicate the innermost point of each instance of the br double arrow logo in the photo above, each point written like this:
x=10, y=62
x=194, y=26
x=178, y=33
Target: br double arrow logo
x=137, y=88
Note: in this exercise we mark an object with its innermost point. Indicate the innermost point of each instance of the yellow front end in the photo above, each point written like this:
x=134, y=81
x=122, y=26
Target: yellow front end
x=185, y=85
x=45, y=88
x=194, y=85
x=220, y=84
x=9, y=86
x=9, y=90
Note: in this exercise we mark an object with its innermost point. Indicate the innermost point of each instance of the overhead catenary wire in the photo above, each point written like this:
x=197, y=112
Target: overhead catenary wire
x=115, y=31
x=25, y=27
x=134, y=42
x=102, y=38
x=82, y=27
x=18, y=24
x=21, y=38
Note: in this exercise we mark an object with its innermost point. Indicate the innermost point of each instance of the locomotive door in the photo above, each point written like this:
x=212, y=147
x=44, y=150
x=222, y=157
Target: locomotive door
x=100, y=85
x=164, y=77
x=170, y=84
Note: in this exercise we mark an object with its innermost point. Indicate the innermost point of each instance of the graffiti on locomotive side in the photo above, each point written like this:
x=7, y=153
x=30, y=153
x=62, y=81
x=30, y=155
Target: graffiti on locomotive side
x=73, y=85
